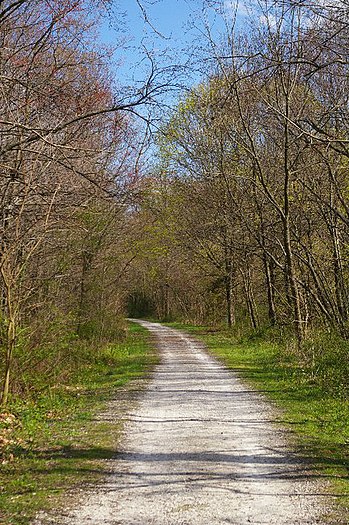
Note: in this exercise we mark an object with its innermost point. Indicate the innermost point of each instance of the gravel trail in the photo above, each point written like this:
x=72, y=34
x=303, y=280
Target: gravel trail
x=200, y=448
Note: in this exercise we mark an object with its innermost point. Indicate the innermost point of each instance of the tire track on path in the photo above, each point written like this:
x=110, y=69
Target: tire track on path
x=200, y=448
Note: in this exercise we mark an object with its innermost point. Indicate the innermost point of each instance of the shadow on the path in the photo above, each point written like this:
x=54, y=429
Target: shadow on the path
x=268, y=465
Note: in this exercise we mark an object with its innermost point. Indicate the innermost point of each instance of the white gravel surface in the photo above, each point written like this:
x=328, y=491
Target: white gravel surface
x=200, y=448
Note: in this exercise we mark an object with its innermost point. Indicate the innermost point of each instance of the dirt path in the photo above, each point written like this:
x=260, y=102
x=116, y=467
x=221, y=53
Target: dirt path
x=200, y=448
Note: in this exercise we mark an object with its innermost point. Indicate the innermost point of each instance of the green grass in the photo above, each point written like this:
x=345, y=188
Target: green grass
x=54, y=443
x=316, y=413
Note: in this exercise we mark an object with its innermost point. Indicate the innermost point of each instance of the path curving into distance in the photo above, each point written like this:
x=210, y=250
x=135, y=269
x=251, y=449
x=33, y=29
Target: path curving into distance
x=200, y=448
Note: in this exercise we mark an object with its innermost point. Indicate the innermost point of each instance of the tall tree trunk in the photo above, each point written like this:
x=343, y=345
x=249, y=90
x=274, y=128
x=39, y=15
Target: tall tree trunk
x=229, y=303
x=249, y=296
x=10, y=338
x=289, y=262
x=10, y=346
x=340, y=289
x=167, y=303
x=82, y=307
x=294, y=290
x=269, y=277
x=229, y=296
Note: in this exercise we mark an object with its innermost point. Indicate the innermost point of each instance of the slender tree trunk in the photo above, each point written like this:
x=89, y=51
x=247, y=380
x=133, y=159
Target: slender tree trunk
x=249, y=296
x=101, y=305
x=229, y=301
x=229, y=296
x=340, y=289
x=10, y=339
x=269, y=277
x=10, y=346
x=86, y=266
x=289, y=262
x=167, y=304
x=291, y=276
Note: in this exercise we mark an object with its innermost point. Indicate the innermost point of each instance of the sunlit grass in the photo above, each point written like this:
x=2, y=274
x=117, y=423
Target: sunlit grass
x=55, y=443
x=317, y=415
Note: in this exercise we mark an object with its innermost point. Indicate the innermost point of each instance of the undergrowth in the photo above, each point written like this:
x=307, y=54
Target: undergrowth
x=50, y=441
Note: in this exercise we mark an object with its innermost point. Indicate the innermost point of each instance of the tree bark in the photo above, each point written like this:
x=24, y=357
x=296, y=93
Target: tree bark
x=229, y=296
x=269, y=277
x=249, y=296
x=10, y=339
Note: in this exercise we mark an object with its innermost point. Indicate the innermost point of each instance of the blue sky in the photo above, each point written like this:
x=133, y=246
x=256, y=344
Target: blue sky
x=174, y=29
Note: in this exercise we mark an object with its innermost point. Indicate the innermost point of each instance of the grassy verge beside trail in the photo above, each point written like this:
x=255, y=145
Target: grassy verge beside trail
x=316, y=410
x=55, y=444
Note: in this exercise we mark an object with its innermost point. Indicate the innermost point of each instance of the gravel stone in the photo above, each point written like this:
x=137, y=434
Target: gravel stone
x=200, y=448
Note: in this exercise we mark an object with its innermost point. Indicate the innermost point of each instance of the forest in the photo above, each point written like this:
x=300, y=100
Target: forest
x=241, y=219
x=221, y=205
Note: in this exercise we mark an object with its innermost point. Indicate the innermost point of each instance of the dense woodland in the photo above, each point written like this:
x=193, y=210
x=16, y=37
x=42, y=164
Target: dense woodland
x=242, y=219
x=251, y=197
